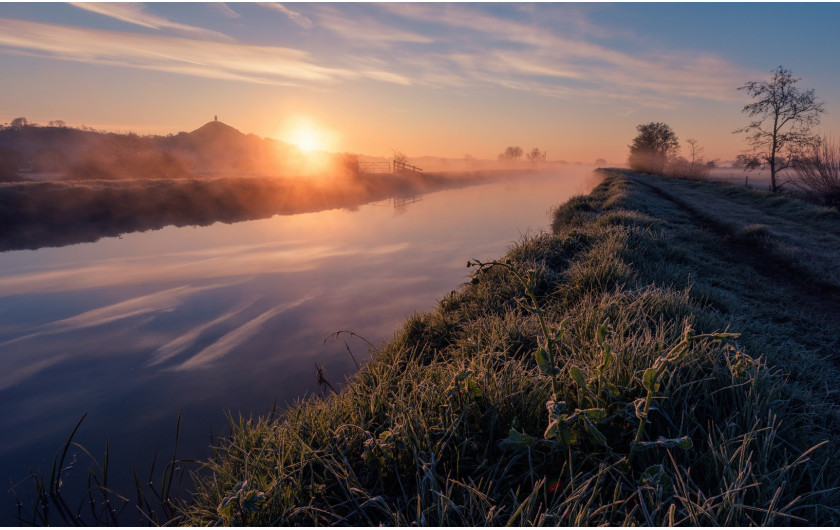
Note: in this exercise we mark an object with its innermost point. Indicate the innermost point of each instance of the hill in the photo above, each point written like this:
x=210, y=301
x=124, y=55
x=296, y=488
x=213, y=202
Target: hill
x=666, y=356
x=214, y=149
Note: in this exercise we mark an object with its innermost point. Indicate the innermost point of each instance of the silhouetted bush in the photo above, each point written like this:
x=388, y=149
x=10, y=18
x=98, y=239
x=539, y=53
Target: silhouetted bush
x=818, y=171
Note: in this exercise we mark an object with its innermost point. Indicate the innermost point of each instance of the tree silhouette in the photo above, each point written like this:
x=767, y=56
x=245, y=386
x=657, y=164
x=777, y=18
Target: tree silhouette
x=651, y=149
x=536, y=155
x=511, y=153
x=782, y=119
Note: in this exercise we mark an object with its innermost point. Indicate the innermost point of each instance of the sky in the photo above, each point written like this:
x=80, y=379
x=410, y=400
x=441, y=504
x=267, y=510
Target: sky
x=427, y=79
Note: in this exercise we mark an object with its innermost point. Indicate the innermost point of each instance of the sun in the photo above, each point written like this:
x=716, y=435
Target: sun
x=307, y=135
x=308, y=139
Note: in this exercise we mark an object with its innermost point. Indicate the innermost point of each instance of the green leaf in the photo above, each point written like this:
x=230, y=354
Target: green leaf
x=593, y=414
x=542, y=360
x=650, y=381
x=601, y=333
x=561, y=330
x=554, y=430
x=516, y=441
x=667, y=443
x=473, y=389
x=656, y=477
x=596, y=435
x=577, y=376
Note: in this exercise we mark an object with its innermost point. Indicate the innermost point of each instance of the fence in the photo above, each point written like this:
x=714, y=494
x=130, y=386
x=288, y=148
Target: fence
x=403, y=167
x=374, y=167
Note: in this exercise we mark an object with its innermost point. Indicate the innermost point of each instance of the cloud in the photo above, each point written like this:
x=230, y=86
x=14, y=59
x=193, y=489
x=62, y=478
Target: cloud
x=294, y=16
x=202, y=58
x=234, y=338
x=232, y=264
x=136, y=14
x=225, y=9
x=159, y=302
x=367, y=30
x=531, y=49
x=10, y=378
x=185, y=340
x=475, y=46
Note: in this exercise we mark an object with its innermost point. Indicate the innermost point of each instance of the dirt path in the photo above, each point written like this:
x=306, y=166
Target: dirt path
x=795, y=277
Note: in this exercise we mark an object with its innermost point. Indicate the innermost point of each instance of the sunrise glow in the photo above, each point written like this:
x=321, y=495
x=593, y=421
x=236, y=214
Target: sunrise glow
x=307, y=135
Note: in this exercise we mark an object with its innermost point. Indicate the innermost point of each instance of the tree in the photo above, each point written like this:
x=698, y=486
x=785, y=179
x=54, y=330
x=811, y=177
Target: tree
x=511, y=153
x=782, y=119
x=399, y=157
x=536, y=155
x=652, y=148
x=19, y=123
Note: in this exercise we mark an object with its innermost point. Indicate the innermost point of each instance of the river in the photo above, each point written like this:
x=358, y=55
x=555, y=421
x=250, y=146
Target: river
x=227, y=317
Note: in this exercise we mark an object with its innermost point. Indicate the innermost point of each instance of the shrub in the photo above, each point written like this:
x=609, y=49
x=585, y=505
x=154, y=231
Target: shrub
x=818, y=171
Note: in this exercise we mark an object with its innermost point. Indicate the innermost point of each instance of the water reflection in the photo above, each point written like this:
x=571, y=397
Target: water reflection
x=227, y=317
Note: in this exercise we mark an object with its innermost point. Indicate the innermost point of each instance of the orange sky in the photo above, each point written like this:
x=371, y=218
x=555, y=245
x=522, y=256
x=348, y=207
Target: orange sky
x=428, y=79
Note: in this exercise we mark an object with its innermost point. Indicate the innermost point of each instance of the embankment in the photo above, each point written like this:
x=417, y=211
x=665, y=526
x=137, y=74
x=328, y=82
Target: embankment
x=47, y=214
x=656, y=412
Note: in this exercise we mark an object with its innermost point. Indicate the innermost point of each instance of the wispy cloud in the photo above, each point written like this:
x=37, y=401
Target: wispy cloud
x=158, y=302
x=136, y=14
x=234, y=338
x=10, y=378
x=202, y=58
x=294, y=16
x=474, y=46
x=367, y=30
x=184, y=341
x=533, y=49
x=230, y=264
x=225, y=9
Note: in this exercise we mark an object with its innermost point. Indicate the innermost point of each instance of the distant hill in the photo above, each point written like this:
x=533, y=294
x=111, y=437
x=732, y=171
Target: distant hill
x=214, y=149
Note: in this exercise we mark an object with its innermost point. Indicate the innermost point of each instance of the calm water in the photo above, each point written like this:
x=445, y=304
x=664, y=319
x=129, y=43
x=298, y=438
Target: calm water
x=227, y=317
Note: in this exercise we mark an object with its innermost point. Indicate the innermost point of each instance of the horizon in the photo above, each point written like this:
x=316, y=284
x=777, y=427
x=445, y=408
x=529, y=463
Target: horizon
x=436, y=80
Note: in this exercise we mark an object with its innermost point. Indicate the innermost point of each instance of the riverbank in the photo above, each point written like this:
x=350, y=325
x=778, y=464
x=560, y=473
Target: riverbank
x=695, y=383
x=50, y=214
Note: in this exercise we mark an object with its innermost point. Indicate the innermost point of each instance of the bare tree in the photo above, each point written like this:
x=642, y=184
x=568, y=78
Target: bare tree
x=399, y=157
x=653, y=147
x=782, y=119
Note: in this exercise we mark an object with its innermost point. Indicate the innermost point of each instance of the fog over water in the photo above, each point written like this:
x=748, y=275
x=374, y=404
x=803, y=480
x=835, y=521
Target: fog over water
x=229, y=317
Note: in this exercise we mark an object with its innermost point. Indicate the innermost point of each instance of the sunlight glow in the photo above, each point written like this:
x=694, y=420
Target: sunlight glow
x=307, y=135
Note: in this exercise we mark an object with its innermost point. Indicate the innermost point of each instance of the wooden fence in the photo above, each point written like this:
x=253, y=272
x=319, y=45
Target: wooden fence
x=403, y=167
x=374, y=167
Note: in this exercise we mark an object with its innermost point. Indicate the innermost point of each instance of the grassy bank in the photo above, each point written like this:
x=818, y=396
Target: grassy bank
x=660, y=358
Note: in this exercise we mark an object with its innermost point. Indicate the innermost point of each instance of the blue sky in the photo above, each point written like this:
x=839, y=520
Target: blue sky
x=428, y=79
